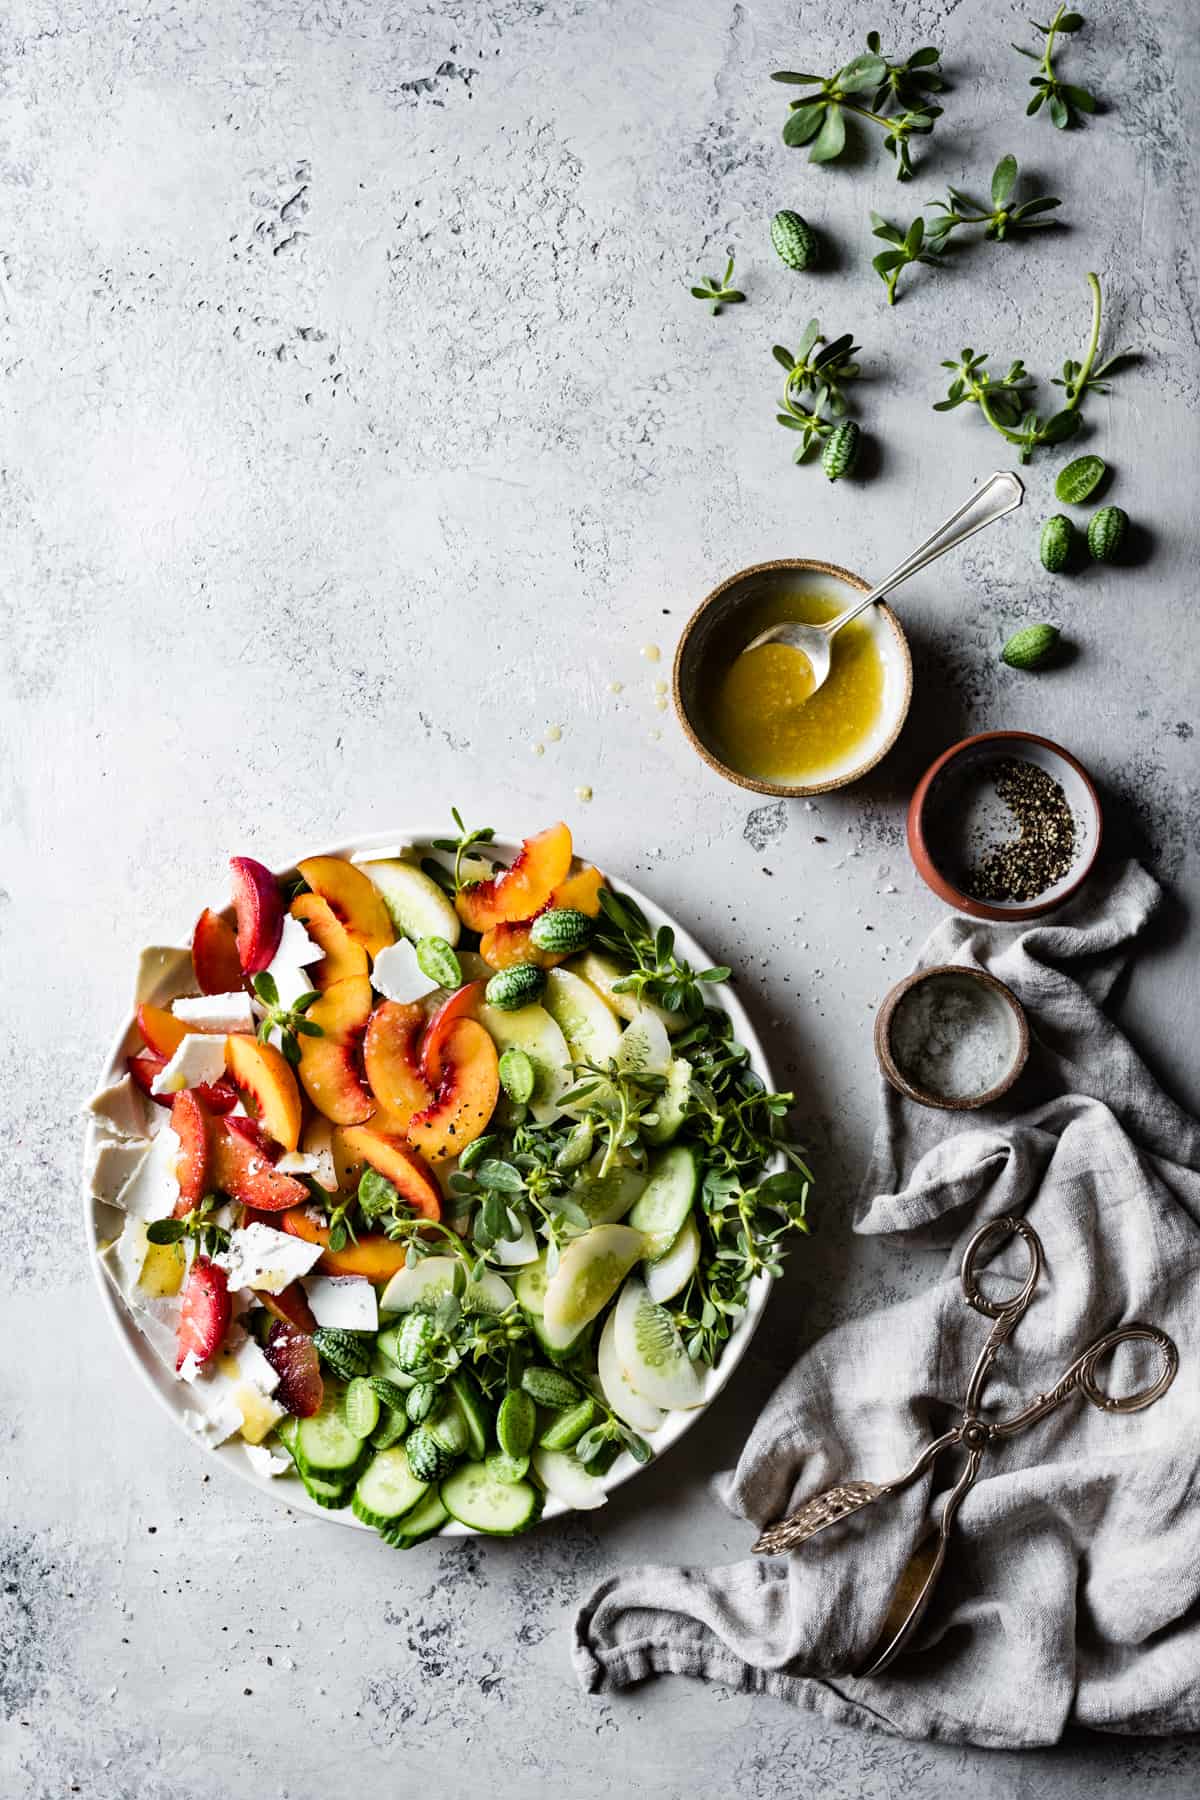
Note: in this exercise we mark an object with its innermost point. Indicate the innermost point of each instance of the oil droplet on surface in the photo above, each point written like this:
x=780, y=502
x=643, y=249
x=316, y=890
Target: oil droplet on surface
x=651, y=652
x=655, y=737
x=538, y=749
x=661, y=703
x=583, y=793
x=616, y=687
x=660, y=687
x=553, y=733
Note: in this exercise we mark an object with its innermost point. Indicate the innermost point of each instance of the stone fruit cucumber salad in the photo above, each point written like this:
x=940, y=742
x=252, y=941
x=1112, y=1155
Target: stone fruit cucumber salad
x=439, y=1183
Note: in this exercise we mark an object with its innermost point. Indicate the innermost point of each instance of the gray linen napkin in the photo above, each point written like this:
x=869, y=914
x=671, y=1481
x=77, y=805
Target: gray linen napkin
x=1071, y=1593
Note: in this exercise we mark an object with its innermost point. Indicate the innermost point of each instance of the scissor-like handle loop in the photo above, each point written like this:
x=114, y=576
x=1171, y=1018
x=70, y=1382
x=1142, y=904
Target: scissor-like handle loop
x=989, y=1237
x=1081, y=1378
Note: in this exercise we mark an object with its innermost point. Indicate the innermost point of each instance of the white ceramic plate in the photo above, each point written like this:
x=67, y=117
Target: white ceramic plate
x=175, y=1395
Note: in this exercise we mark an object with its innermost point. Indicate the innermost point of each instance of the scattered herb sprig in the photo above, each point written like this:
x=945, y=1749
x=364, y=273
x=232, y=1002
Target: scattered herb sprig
x=289, y=1021
x=998, y=220
x=200, y=1225
x=907, y=247
x=1062, y=99
x=459, y=848
x=718, y=293
x=894, y=96
x=658, y=974
x=816, y=373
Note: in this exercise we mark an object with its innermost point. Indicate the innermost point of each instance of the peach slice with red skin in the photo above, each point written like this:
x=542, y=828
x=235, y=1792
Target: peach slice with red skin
x=375, y=1256
x=465, y=1069
x=463, y=1003
x=161, y=1030
x=192, y=1124
x=521, y=891
x=389, y=1153
x=215, y=954
x=353, y=899
x=258, y=905
x=267, y=1085
x=290, y=1304
x=344, y=955
x=218, y=1096
x=331, y=1065
x=510, y=941
x=391, y=1055
x=242, y=1168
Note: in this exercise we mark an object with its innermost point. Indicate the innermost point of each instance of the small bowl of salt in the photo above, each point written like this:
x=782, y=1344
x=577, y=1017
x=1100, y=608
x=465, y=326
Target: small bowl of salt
x=952, y=1037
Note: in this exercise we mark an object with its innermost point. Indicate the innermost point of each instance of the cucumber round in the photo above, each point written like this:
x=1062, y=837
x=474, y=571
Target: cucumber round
x=672, y=1271
x=625, y=1401
x=567, y=1480
x=603, y=972
x=645, y=1048
x=532, y=1029
x=507, y=1469
x=427, y=1517
x=651, y=1351
x=672, y=1103
x=667, y=1199
x=586, y=1021
x=333, y=1495
x=388, y=1489
x=325, y=1445
x=433, y=1276
x=416, y=904
x=474, y=1497
x=589, y=1273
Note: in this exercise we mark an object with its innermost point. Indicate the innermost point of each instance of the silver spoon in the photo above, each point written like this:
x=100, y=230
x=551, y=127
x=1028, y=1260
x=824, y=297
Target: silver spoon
x=1001, y=493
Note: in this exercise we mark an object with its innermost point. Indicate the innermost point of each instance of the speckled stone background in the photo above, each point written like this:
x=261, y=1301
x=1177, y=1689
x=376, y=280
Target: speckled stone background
x=357, y=427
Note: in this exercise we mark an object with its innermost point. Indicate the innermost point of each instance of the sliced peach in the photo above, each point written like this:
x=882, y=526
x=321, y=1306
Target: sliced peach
x=242, y=1169
x=215, y=954
x=511, y=941
x=344, y=955
x=331, y=1065
x=375, y=1256
x=267, y=1085
x=467, y=1073
x=393, y=1157
x=391, y=1054
x=463, y=1003
x=353, y=898
x=218, y=1096
x=258, y=904
x=162, y=1031
x=192, y=1124
x=290, y=1304
x=581, y=891
x=522, y=890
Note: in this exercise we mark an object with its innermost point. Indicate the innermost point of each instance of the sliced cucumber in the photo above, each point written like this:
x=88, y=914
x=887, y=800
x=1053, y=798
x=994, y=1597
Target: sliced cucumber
x=433, y=1276
x=332, y=1495
x=507, y=1468
x=603, y=973
x=651, y=1352
x=474, y=1497
x=425, y=1519
x=615, y=1384
x=514, y=1253
x=417, y=905
x=607, y=1198
x=383, y=1363
x=361, y=1407
x=587, y=1023
x=672, y=1103
x=325, y=1445
x=532, y=1030
x=589, y=1273
x=530, y=1286
x=667, y=1199
x=476, y=1415
x=387, y=1489
x=645, y=1048
x=567, y=1480
x=670, y=1274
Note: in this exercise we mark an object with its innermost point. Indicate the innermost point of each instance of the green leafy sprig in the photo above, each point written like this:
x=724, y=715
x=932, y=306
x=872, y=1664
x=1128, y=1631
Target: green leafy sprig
x=459, y=848
x=289, y=1021
x=894, y=96
x=1004, y=402
x=1062, y=100
x=658, y=974
x=718, y=293
x=907, y=247
x=815, y=378
x=200, y=1225
x=998, y=220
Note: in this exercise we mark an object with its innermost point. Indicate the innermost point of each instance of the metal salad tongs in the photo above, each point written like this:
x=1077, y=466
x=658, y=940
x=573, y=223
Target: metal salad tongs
x=973, y=1433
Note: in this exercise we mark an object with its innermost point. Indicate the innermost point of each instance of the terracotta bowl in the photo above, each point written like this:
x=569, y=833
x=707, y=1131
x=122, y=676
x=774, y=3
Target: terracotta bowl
x=1011, y=1027
x=940, y=819
x=719, y=620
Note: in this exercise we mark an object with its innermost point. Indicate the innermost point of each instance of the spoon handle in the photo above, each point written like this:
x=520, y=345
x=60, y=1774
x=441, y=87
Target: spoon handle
x=1001, y=493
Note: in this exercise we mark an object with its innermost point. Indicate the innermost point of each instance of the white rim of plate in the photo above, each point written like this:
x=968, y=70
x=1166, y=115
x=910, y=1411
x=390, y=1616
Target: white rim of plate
x=230, y=1455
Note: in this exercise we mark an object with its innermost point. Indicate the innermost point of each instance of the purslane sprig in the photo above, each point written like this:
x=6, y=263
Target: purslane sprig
x=1004, y=402
x=1000, y=219
x=1063, y=100
x=459, y=848
x=718, y=293
x=200, y=1225
x=894, y=96
x=907, y=247
x=815, y=377
x=658, y=974
x=289, y=1021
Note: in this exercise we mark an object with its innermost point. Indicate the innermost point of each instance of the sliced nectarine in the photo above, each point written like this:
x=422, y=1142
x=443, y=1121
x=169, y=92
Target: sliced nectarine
x=392, y=1156
x=290, y=1304
x=375, y=1256
x=344, y=955
x=353, y=898
x=510, y=942
x=522, y=890
x=466, y=1070
x=267, y=1085
x=162, y=1031
x=258, y=904
x=391, y=1054
x=215, y=954
x=192, y=1124
x=331, y=1065
x=581, y=892
x=463, y=1003
x=242, y=1169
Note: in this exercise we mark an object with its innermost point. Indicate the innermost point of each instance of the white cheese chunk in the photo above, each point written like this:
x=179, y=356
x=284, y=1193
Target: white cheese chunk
x=121, y=1110
x=297, y=1162
x=345, y=1301
x=152, y=1189
x=214, y=1426
x=163, y=971
x=216, y=1012
x=385, y=853
x=113, y=1162
x=252, y=1365
x=261, y=1257
x=316, y=1141
x=200, y=1057
x=157, y=1316
x=296, y=948
x=267, y=1462
x=397, y=975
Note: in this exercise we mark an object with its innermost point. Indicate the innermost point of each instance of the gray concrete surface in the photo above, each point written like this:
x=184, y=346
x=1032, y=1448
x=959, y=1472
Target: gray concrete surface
x=358, y=426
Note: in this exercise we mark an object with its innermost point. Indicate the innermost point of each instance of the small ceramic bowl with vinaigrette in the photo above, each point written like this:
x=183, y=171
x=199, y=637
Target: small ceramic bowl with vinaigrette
x=743, y=723
x=951, y=1037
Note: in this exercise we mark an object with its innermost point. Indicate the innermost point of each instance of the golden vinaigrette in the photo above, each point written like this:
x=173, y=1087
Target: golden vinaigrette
x=765, y=719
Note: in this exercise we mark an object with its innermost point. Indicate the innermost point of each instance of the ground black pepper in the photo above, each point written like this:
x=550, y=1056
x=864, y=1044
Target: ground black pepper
x=1044, y=849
